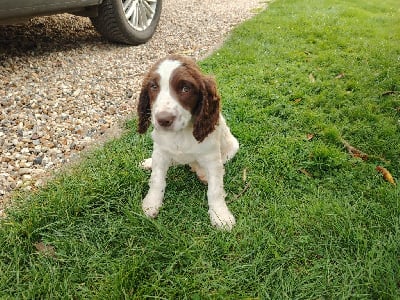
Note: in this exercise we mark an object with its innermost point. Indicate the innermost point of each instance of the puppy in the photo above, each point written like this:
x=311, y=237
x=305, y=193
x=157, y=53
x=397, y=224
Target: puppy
x=183, y=106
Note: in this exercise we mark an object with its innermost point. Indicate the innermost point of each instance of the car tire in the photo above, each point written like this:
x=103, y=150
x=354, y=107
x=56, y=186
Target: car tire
x=130, y=22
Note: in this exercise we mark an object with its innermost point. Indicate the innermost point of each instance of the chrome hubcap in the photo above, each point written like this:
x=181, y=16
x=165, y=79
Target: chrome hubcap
x=139, y=13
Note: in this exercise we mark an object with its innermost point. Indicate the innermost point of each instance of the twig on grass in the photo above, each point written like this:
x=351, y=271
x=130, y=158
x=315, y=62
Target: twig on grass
x=357, y=153
x=354, y=151
x=246, y=187
x=387, y=93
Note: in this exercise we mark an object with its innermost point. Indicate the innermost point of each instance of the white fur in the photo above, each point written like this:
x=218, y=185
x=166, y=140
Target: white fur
x=176, y=145
x=165, y=102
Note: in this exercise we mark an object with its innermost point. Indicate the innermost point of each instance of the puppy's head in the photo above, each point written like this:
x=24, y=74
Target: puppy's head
x=175, y=94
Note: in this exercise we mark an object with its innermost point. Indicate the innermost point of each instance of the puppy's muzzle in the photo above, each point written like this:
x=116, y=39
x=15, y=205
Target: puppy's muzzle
x=165, y=119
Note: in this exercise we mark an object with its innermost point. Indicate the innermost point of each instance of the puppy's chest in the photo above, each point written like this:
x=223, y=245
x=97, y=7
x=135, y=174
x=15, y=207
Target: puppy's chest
x=181, y=147
x=177, y=143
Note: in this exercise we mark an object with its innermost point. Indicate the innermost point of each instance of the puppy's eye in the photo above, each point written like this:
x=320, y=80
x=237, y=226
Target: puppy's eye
x=185, y=89
x=153, y=86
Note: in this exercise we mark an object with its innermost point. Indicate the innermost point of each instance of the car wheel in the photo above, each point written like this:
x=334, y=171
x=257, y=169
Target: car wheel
x=128, y=21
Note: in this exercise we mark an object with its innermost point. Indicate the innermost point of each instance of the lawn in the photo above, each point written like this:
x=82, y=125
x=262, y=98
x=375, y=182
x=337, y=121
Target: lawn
x=311, y=89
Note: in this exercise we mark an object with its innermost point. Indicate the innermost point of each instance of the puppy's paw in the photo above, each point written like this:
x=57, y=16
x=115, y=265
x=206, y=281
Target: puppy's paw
x=151, y=207
x=146, y=164
x=222, y=218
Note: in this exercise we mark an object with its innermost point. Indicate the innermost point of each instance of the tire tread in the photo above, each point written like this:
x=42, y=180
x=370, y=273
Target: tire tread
x=112, y=28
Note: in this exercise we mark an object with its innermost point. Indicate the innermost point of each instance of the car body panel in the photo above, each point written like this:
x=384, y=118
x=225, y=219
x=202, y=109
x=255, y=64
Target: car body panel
x=11, y=10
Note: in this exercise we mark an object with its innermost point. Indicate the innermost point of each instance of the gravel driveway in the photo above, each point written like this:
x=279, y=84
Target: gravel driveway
x=62, y=87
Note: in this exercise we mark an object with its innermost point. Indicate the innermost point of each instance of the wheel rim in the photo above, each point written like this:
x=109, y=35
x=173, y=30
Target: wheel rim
x=139, y=13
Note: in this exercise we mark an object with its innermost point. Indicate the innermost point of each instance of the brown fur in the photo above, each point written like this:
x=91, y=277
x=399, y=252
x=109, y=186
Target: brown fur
x=147, y=94
x=207, y=114
x=144, y=111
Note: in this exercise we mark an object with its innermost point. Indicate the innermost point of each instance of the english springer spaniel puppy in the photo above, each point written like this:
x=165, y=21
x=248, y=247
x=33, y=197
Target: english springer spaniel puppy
x=183, y=106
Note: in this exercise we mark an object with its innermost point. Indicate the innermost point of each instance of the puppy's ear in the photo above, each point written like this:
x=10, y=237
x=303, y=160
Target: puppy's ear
x=206, y=115
x=144, y=110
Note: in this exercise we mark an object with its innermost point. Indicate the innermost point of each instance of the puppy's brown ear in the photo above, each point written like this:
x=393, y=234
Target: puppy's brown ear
x=206, y=115
x=144, y=110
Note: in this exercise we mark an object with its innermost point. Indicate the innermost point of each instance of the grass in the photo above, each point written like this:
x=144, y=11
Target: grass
x=314, y=222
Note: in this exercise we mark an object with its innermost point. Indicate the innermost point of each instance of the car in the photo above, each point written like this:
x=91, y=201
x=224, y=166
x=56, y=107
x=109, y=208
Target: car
x=130, y=22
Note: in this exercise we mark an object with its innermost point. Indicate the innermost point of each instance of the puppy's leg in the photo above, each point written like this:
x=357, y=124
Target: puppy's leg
x=229, y=146
x=219, y=212
x=200, y=172
x=152, y=202
x=146, y=164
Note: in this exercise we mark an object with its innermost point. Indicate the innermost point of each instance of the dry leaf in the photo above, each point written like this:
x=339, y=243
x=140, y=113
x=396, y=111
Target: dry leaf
x=386, y=174
x=305, y=172
x=45, y=249
x=244, y=176
x=297, y=101
x=354, y=151
x=341, y=75
x=311, y=77
x=310, y=136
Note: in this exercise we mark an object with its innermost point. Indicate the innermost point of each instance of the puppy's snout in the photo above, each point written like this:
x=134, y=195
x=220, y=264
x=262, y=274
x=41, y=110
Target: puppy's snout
x=165, y=119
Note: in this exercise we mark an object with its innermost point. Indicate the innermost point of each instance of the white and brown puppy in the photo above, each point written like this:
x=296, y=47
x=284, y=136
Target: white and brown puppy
x=183, y=106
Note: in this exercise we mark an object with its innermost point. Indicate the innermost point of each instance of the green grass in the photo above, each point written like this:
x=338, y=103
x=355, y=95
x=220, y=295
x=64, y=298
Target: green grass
x=313, y=222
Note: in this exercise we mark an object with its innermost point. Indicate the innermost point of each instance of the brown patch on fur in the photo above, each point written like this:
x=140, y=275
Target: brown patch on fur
x=148, y=93
x=207, y=113
x=185, y=85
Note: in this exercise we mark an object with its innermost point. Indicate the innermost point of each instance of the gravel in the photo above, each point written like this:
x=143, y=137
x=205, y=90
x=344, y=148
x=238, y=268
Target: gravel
x=62, y=87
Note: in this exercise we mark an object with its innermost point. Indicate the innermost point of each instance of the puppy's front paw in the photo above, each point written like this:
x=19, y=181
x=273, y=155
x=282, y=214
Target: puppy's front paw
x=151, y=207
x=146, y=164
x=222, y=218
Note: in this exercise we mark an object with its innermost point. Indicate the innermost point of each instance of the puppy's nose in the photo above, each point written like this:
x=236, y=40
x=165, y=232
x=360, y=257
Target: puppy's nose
x=165, y=119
